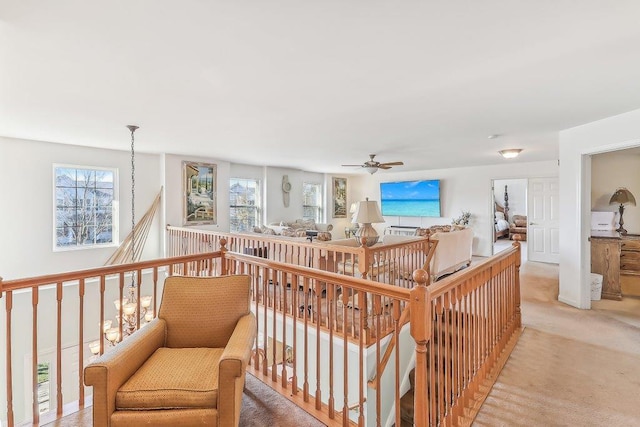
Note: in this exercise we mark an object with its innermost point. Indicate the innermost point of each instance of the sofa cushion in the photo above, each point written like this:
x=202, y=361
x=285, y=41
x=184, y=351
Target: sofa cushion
x=173, y=378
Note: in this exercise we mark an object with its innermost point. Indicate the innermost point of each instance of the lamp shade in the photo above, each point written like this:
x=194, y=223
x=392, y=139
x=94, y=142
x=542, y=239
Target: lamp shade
x=622, y=196
x=368, y=212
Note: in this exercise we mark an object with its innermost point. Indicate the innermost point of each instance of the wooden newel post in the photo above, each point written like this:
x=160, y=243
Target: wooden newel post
x=223, y=258
x=1, y=287
x=420, y=306
x=516, y=244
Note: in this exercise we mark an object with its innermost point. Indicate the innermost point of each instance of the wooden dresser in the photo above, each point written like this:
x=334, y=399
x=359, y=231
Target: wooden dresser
x=630, y=265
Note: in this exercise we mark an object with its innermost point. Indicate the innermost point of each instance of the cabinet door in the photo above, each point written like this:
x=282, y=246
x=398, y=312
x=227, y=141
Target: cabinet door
x=605, y=260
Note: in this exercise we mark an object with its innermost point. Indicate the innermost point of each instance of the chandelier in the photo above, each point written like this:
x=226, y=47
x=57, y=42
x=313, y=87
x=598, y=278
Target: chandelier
x=128, y=306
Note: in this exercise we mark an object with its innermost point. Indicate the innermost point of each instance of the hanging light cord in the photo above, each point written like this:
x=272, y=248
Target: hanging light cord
x=133, y=128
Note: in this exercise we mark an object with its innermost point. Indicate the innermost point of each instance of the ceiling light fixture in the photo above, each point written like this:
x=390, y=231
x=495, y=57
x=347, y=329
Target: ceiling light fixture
x=371, y=169
x=510, y=153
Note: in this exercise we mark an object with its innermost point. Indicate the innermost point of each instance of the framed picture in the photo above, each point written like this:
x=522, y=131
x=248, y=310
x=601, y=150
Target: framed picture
x=339, y=197
x=199, y=183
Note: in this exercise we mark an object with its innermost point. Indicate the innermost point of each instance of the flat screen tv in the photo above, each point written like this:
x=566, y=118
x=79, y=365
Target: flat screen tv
x=411, y=198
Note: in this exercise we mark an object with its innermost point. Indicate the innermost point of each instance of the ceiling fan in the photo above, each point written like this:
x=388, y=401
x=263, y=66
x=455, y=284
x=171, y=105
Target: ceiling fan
x=372, y=166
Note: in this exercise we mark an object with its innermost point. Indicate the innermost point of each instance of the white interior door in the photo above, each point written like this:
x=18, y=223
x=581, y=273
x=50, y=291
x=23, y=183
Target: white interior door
x=543, y=234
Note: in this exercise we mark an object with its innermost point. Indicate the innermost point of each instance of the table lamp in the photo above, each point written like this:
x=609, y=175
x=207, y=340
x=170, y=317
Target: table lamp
x=623, y=197
x=368, y=212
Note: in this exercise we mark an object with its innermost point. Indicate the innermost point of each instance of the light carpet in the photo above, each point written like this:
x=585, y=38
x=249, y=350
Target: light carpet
x=570, y=367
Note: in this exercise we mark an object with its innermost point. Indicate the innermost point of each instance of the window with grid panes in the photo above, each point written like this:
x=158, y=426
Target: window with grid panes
x=244, y=204
x=312, y=201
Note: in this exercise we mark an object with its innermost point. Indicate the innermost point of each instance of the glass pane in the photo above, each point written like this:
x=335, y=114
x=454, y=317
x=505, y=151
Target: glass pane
x=104, y=179
x=65, y=177
x=65, y=197
x=65, y=236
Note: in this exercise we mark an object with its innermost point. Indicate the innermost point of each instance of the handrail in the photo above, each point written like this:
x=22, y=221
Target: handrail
x=28, y=282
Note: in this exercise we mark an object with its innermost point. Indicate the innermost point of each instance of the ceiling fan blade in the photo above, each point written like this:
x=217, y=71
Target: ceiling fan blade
x=383, y=166
x=392, y=164
x=352, y=165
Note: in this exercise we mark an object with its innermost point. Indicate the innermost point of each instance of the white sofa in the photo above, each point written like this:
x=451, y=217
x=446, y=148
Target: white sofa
x=304, y=224
x=452, y=253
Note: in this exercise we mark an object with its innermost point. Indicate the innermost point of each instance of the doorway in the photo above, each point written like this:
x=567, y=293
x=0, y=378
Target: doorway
x=510, y=214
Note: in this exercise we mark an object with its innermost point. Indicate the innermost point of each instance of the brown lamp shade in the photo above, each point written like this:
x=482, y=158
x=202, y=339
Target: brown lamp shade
x=622, y=196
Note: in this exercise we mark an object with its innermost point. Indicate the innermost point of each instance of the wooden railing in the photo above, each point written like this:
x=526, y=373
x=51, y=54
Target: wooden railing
x=389, y=263
x=321, y=334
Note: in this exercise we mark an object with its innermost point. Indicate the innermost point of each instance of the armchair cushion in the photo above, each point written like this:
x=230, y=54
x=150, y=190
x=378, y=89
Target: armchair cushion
x=172, y=379
x=203, y=319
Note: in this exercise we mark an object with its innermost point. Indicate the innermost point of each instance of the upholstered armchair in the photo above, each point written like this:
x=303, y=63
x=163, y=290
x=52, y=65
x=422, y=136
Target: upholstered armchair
x=186, y=367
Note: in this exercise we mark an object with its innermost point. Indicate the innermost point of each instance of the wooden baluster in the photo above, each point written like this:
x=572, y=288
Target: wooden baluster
x=396, y=336
x=362, y=301
x=318, y=390
x=331, y=290
x=101, y=334
x=265, y=306
x=421, y=333
x=8, y=308
x=121, y=284
x=307, y=305
x=517, y=284
x=274, y=366
x=223, y=256
x=139, y=290
x=345, y=356
x=59, y=350
x=155, y=294
x=285, y=285
x=294, y=344
x=377, y=311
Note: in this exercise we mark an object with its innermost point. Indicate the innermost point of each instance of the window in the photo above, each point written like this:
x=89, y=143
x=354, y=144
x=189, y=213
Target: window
x=84, y=203
x=244, y=204
x=312, y=201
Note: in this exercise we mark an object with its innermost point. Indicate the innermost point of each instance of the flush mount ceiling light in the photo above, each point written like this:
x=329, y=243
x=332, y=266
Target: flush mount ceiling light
x=510, y=153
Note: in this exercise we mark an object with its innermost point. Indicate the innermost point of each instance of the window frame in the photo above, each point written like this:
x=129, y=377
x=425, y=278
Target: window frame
x=115, y=226
x=257, y=206
x=320, y=197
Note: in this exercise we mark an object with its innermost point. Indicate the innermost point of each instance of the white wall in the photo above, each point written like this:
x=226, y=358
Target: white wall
x=26, y=216
x=576, y=146
x=517, y=190
x=609, y=171
x=461, y=189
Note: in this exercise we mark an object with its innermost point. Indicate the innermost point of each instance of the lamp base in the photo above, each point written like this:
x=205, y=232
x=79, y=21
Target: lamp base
x=621, y=229
x=369, y=233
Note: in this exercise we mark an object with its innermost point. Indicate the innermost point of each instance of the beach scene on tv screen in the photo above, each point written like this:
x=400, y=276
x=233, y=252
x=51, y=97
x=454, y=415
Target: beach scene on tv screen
x=410, y=198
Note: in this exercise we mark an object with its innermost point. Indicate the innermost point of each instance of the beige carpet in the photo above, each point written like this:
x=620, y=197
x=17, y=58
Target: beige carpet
x=570, y=367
